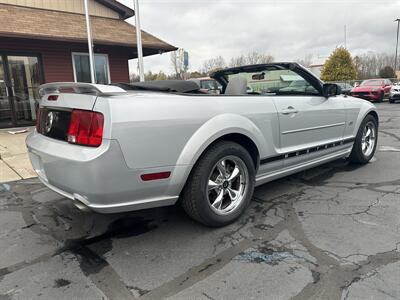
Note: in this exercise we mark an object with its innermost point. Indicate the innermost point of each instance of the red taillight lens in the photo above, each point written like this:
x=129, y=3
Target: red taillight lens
x=52, y=98
x=86, y=128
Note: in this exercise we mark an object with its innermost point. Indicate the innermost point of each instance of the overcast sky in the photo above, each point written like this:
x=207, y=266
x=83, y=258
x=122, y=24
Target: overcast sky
x=286, y=29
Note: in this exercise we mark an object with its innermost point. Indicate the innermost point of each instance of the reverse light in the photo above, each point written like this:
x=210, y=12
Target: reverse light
x=85, y=128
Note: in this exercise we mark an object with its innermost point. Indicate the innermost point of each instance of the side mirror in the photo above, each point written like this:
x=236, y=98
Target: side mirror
x=331, y=89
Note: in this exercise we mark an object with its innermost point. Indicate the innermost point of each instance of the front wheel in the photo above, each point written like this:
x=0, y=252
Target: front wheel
x=382, y=96
x=366, y=140
x=220, y=186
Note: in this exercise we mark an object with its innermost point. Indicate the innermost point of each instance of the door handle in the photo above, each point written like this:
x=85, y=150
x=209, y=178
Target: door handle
x=289, y=110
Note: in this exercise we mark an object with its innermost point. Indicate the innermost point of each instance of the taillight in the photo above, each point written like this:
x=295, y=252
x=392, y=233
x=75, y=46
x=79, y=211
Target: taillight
x=85, y=128
x=52, y=98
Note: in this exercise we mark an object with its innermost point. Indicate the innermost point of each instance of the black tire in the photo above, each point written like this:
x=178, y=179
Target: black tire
x=391, y=100
x=195, y=195
x=382, y=97
x=357, y=155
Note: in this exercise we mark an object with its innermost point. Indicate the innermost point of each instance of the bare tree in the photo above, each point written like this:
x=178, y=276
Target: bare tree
x=213, y=64
x=238, y=61
x=258, y=58
x=306, y=61
x=177, y=65
x=251, y=58
x=369, y=64
x=133, y=77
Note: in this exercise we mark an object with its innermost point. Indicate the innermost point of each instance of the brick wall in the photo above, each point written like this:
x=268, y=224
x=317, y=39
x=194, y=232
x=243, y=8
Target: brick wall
x=57, y=57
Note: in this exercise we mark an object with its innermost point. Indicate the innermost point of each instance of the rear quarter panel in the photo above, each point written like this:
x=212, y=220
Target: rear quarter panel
x=155, y=129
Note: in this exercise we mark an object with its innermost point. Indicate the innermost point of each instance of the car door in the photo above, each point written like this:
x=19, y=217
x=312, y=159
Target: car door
x=309, y=124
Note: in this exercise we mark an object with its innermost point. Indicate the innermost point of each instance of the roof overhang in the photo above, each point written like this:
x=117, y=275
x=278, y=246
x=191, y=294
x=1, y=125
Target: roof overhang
x=37, y=24
x=124, y=11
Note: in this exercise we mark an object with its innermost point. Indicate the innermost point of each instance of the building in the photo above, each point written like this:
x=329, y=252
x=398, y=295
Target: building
x=316, y=69
x=45, y=41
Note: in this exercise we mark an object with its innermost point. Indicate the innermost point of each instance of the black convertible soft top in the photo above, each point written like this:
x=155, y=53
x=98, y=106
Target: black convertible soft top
x=175, y=86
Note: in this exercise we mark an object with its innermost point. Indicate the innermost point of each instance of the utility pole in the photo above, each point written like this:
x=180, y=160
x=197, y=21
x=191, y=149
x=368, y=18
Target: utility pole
x=90, y=43
x=345, y=36
x=397, y=46
x=139, y=40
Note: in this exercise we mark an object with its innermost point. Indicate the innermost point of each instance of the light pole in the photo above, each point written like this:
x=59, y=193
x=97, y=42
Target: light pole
x=90, y=43
x=397, y=46
x=139, y=40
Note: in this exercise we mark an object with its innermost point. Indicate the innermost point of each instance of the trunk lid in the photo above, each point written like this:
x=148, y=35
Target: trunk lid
x=70, y=95
x=68, y=101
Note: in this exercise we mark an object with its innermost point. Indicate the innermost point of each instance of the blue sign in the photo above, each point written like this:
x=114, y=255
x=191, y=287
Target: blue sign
x=186, y=59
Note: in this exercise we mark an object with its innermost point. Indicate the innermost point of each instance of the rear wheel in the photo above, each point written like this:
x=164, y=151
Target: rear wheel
x=366, y=141
x=220, y=186
x=391, y=100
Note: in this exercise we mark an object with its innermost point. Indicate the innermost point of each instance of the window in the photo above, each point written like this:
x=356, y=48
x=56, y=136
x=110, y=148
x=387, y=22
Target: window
x=208, y=84
x=372, y=82
x=276, y=82
x=82, y=68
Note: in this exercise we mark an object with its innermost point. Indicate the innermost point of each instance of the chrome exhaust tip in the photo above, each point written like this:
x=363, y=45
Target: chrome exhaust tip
x=79, y=203
x=82, y=207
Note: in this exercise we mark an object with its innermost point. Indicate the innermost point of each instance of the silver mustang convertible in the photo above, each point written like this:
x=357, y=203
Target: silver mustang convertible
x=134, y=146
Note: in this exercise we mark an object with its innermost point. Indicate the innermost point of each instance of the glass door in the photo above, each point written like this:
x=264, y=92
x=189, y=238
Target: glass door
x=24, y=76
x=20, y=77
x=6, y=111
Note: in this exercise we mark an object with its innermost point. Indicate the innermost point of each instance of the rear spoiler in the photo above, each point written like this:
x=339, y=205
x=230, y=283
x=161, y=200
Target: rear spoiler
x=79, y=88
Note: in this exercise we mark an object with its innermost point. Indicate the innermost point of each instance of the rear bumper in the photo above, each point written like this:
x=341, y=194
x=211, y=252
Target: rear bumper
x=99, y=177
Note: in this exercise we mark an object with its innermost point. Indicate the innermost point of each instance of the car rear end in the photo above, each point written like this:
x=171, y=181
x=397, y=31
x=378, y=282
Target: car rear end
x=73, y=153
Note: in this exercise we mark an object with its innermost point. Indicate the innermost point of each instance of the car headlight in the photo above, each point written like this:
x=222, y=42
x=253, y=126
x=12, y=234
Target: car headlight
x=375, y=90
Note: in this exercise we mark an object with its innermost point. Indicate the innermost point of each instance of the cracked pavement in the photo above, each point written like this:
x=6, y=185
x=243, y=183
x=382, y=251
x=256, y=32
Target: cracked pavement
x=332, y=232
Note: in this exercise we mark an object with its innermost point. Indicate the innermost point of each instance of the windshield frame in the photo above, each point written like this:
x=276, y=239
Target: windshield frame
x=222, y=76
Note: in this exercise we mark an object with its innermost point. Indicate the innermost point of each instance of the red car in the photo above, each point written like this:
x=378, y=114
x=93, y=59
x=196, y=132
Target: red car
x=373, y=89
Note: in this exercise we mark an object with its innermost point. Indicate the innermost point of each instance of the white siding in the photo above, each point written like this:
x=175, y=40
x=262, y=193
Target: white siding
x=74, y=6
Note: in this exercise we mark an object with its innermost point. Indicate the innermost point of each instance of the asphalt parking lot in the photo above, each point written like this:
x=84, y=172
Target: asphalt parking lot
x=332, y=232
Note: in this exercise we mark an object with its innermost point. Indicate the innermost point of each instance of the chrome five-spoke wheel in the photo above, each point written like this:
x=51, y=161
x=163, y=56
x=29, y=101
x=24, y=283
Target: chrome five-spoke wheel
x=227, y=184
x=221, y=184
x=365, y=141
x=368, y=138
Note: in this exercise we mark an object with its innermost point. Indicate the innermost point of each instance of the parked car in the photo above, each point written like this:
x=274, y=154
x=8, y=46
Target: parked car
x=394, y=93
x=345, y=87
x=297, y=86
x=207, y=85
x=113, y=149
x=373, y=89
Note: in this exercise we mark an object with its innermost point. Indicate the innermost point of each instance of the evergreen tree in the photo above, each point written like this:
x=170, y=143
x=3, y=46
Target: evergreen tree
x=339, y=66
